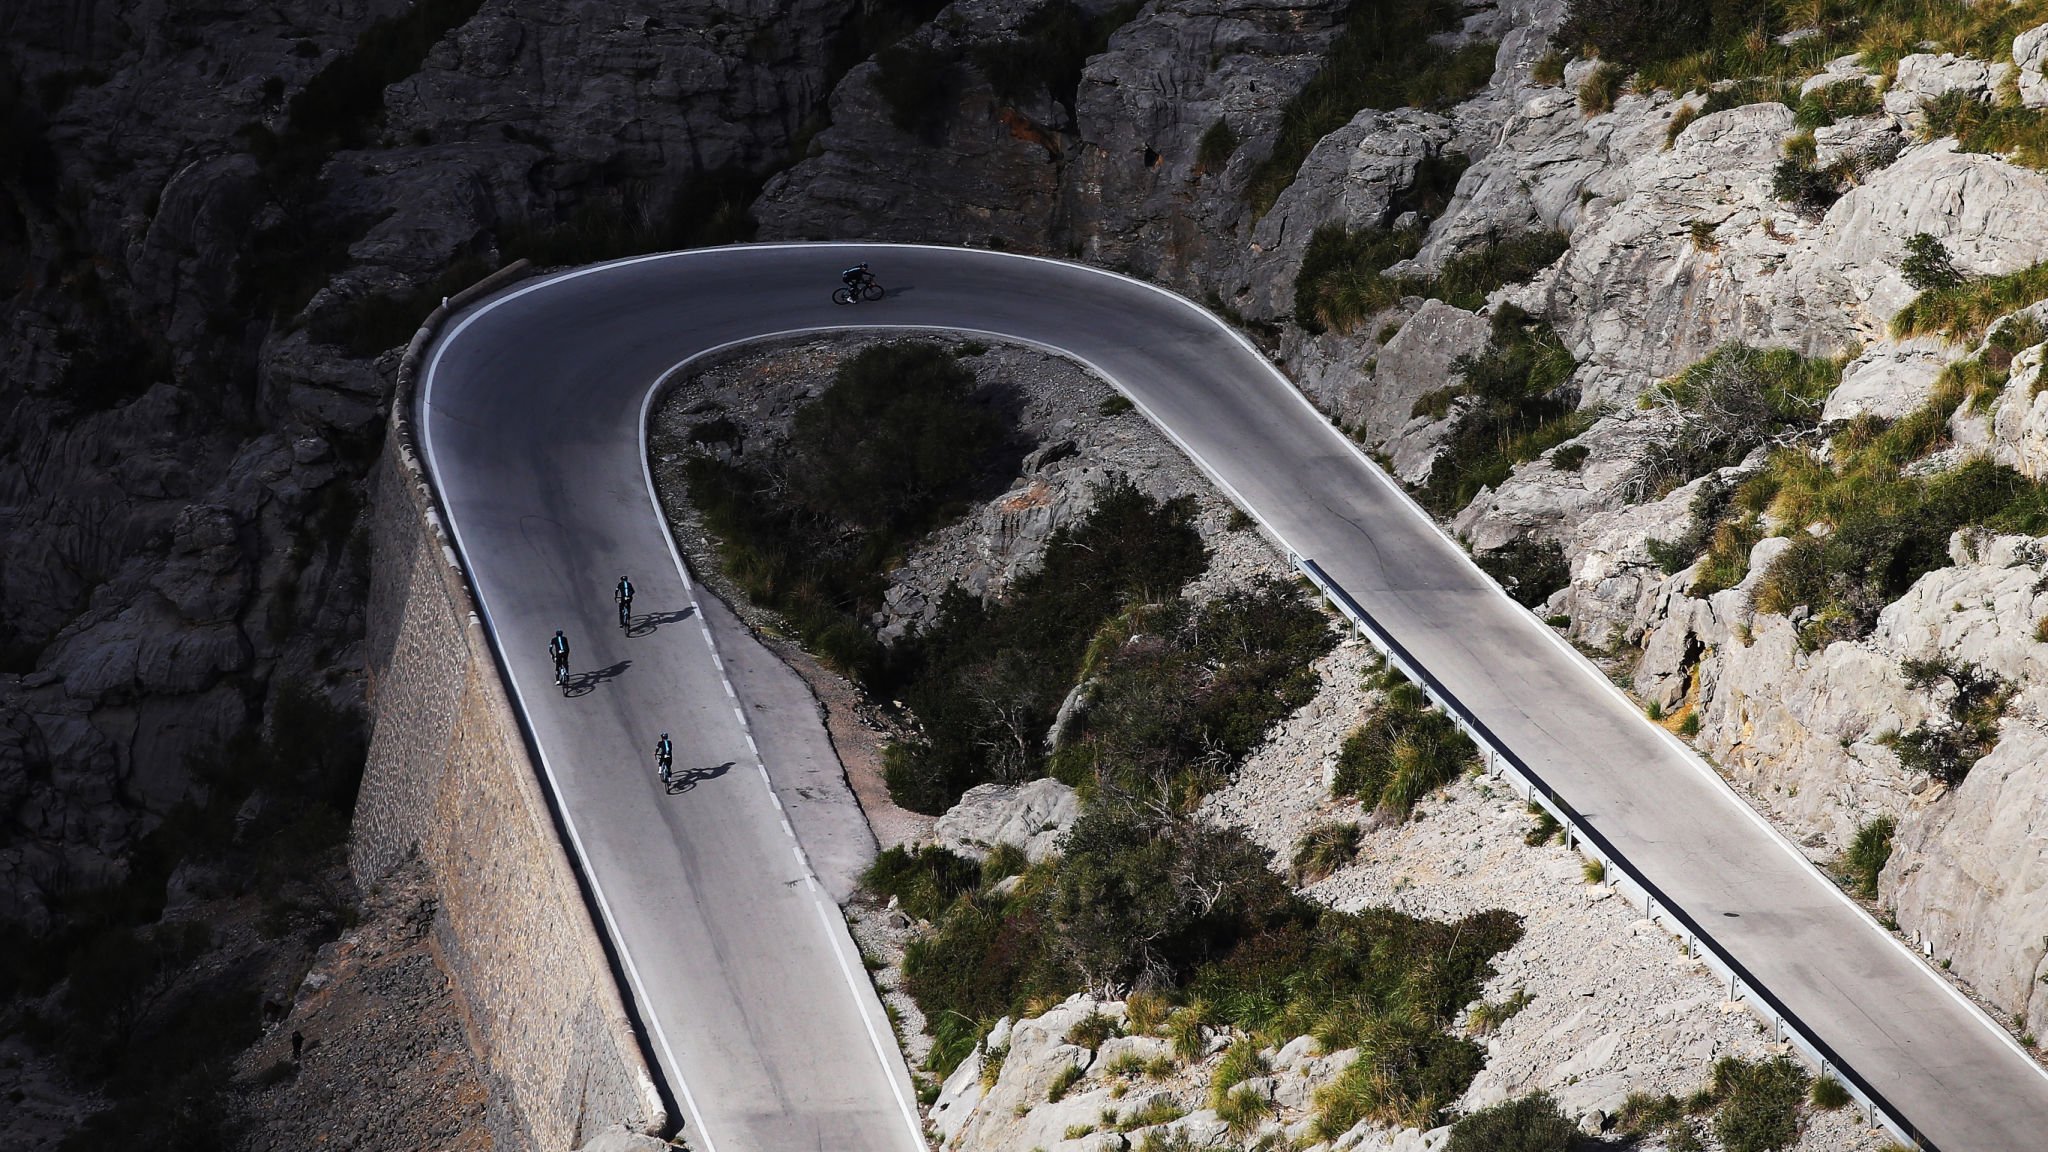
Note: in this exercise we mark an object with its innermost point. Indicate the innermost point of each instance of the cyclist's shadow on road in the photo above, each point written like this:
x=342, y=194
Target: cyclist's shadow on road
x=680, y=782
x=646, y=623
x=584, y=683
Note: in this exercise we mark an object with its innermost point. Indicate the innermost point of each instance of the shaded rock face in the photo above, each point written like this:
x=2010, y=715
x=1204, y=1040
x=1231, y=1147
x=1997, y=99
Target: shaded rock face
x=1118, y=183
x=181, y=462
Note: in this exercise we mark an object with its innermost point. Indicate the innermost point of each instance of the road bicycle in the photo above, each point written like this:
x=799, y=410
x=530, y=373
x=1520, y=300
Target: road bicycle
x=848, y=294
x=562, y=672
x=626, y=614
x=664, y=767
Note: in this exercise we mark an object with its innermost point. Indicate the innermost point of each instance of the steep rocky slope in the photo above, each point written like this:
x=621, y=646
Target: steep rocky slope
x=1775, y=203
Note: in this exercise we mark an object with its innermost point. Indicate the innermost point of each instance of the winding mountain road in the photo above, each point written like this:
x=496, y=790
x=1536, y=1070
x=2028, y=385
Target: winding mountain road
x=765, y=1027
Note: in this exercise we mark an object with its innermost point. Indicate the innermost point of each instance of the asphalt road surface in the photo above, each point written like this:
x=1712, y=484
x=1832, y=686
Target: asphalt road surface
x=764, y=1025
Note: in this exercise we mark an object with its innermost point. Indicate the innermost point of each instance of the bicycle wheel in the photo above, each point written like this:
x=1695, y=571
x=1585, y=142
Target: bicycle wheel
x=871, y=291
x=842, y=295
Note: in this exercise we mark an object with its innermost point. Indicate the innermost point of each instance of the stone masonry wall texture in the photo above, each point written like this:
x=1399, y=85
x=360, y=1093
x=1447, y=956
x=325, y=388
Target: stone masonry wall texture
x=449, y=779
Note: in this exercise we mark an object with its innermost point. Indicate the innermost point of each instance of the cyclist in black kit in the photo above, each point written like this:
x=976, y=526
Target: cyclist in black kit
x=558, y=648
x=664, y=757
x=624, y=595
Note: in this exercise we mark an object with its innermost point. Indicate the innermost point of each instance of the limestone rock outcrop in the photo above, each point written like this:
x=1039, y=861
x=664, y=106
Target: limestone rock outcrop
x=1030, y=817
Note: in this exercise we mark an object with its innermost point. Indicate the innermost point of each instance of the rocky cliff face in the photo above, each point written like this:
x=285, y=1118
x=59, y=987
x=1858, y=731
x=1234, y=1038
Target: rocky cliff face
x=209, y=265
x=215, y=221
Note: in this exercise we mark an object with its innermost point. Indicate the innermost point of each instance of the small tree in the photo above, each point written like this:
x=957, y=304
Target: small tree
x=1928, y=266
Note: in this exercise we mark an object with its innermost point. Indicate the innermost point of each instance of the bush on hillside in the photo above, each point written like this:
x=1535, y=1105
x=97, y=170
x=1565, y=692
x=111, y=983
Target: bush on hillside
x=1526, y=1124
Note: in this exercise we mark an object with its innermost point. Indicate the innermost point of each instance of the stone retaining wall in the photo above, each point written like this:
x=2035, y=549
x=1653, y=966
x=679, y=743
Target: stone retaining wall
x=450, y=780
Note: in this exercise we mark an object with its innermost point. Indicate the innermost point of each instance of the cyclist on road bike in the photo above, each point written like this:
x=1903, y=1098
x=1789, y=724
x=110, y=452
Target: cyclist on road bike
x=623, y=594
x=858, y=276
x=664, y=756
x=559, y=649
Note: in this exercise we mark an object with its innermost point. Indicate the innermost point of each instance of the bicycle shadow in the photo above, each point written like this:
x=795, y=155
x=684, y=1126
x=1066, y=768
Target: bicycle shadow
x=680, y=782
x=646, y=623
x=584, y=683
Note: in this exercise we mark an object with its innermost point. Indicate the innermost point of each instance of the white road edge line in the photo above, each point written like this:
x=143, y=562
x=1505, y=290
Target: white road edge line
x=838, y=937
x=547, y=766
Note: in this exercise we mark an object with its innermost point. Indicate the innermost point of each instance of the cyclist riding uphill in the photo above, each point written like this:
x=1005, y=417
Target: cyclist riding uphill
x=558, y=650
x=857, y=276
x=664, y=756
x=623, y=594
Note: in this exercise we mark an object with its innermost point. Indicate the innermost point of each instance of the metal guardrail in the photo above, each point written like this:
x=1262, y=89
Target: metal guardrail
x=1584, y=838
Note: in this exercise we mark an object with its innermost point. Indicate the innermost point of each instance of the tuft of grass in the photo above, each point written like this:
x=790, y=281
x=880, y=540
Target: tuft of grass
x=1242, y=1110
x=1829, y=1095
x=1522, y=404
x=1961, y=313
x=1156, y=1111
x=1595, y=871
x=1241, y=1061
x=2001, y=127
x=1867, y=855
x=1188, y=1030
x=1340, y=284
x=1759, y=1103
x=1404, y=749
x=1543, y=830
x=1063, y=1083
x=1487, y=1016
x=1324, y=849
x=1690, y=726
x=1144, y=1012
x=1548, y=69
x=1681, y=119
x=1091, y=1030
x=1115, y=405
x=1600, y=88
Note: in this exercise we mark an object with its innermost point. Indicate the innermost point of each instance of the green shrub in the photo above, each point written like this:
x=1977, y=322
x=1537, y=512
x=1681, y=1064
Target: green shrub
x=1690, y=726
x=1709, y=504
x=1759, y=1103
x=1405, y=1075
x=1063, y=1083
x=1543, y=830
x=1468, y=278
x=1531, y=570
x=1178, y=695
x=1868, y=853
x=921, y=85
x=1115, y=405
x=1527, y=1124
x=1218, y=145
x=1048, y=51
x=1382, y=59
x=925, y=881
x=1324, y=849
x=1548, y=69
x=891, y=449
x=1927, y=265
x=1570, y=457
x=1404, y=749
x=1340, y=285
x=1522, y=405
x=1808, y=189
x=1597, y=92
